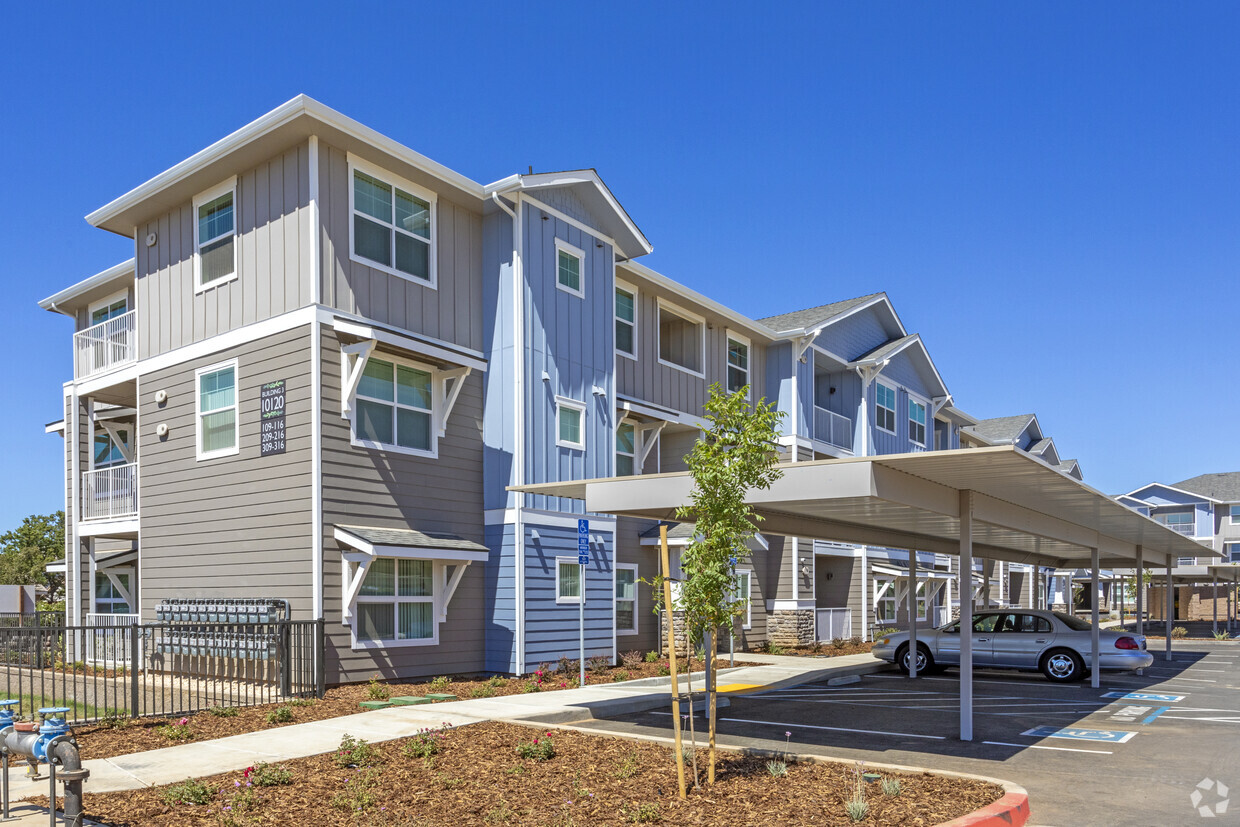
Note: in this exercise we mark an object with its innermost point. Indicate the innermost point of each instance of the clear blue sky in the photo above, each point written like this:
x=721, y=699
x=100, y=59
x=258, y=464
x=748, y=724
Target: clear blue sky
x=1049, y=193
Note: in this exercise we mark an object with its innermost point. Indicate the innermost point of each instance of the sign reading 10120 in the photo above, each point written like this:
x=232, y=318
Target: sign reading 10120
x=271, y=425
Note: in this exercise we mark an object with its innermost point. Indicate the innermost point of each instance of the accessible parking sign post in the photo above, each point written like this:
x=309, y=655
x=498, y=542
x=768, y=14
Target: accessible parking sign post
x=583, y=560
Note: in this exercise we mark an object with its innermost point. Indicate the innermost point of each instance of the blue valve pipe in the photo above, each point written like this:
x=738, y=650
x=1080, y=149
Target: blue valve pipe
x=54, y=726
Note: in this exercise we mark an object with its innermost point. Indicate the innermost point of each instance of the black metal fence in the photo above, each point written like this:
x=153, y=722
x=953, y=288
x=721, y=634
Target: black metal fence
x=20, y=619
x=159, y=669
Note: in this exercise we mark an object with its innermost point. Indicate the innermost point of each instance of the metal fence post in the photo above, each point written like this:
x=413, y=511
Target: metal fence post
x=284, y=658
x=134, y=631
x=320, y=654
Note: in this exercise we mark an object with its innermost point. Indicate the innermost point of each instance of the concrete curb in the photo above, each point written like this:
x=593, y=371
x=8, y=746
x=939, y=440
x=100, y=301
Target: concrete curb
x=1011, y=810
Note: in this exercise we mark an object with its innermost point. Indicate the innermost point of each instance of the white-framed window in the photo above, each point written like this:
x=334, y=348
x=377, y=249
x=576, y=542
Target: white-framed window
x=885, y=407
x=922, y=605
x=626, y=458
x=738, y=363
x=884, y=600
x=109, y=308
x=626, y=321
x=216, y=390
x=1185, y=522
x=1233, y=552
x=917, y=421
x=215, y=235
x=108, y=450
x=109, y=599
x=1235, y=515
x=741, y=592
x=682, y=338
x=626, y=599
x=570, y=268
x=392, y=226
x=394, y=407
x=567, y=580
x=570, y=423
x=396, y=604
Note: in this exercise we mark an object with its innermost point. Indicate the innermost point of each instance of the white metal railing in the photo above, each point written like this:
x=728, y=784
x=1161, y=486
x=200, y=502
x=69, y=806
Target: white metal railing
x=106, y=345
x=832, y=624
x=1188, y=561
x=1187, y=529
x=942, y=615
x=832, y=428
x=103, y=645
x=109, y=493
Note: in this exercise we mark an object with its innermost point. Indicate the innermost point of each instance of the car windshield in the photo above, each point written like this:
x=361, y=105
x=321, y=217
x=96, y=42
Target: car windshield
x=1073, y=623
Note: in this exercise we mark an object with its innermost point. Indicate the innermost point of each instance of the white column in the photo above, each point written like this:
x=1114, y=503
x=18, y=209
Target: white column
x=1140, y=584
x=1094, y=643
x=1215, y=601
x=966, y=616
x=912, y=613
x=1170, y=601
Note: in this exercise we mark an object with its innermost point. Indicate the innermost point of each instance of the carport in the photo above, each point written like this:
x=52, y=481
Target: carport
x=996, y=503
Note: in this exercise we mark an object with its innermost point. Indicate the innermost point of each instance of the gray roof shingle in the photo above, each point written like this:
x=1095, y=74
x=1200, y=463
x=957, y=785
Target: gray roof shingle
x=409, y=538
x=675, y=531
x=813, y=316
x=1002, y=427
x=1225, y=487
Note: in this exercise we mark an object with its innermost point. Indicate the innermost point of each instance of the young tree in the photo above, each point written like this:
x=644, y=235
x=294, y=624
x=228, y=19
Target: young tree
x=735, y=455
x=27, y=549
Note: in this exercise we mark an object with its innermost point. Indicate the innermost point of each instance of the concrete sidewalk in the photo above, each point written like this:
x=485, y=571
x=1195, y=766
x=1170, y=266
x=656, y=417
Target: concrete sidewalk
x=203, y=758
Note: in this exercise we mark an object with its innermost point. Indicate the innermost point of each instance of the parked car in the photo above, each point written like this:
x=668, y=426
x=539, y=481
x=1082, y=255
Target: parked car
x=1056, y=644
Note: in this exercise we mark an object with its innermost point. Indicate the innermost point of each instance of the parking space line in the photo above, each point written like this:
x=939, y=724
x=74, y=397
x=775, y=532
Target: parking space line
x=1057, y=749
x=1153, y=717
x=830, y=728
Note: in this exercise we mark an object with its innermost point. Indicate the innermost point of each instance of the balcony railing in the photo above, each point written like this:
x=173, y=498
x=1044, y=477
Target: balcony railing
x=104, y=346
x=1187, y=529
x=832, y=428
x=110, y=493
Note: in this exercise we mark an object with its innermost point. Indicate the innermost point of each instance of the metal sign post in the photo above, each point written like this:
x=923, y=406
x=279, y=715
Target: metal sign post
x=583, y=559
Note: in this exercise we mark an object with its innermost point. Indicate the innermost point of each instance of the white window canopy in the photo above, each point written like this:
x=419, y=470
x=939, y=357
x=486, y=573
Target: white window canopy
x=362, y=545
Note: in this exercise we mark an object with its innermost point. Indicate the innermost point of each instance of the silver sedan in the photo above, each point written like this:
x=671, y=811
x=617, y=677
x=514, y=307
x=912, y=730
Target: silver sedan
x=1054, y=643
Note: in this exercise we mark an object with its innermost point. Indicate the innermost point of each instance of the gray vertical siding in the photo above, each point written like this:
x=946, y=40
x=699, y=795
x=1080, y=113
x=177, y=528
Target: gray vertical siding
x=839, y=585
x=235, y=526
x=452, y=310
x=273, y=223
x=363, y=486
x=630, y=551
x=499, y=384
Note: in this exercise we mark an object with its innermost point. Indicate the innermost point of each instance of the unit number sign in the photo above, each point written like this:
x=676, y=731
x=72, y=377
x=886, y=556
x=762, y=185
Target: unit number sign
x=271, y=424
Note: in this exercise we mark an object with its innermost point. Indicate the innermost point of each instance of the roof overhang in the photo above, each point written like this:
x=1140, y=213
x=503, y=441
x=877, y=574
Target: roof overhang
x=1023, y=510
x=750, y=326
x=913, y=343
x=87, y=288
x=409, y=544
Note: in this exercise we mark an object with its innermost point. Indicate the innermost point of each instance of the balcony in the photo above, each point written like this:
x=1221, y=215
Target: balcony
x=105, y=346
x=110, y=493
x=832, y=428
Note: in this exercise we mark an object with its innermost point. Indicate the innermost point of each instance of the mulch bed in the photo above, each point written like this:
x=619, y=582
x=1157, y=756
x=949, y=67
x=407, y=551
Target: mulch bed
x=820, y=650
x=126, y=736
x=478, y=778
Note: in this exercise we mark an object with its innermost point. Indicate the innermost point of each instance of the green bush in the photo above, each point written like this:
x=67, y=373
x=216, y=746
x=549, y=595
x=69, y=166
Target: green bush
x=645, y=813
x=377, y=691
x=631, y=659
x=496, y=681
x=225, y=711
x=190, y=791
x=263, y=774
x=355, y=752
x=540, y=749
x=620, y=675
x=1179, y=633
x=427, y=742
x=176, y=732
x=280, y=715
x=652, y=656
x=440, y=683
x=484, y=691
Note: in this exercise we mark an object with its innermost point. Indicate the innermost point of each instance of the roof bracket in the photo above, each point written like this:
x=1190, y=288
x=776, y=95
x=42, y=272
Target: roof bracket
x=353, y=359
x=457, y=379
x=649, y=433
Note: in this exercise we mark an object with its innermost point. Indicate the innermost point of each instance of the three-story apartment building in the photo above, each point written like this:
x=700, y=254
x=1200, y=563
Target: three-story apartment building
x=330, y=358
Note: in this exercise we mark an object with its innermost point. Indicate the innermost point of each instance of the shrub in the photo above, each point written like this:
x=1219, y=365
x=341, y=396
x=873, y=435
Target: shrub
x=631, y=659
x=112, y=721
x=190, y=791
x=496, y=682
x=358, y=794
x=644, y=813
x=1222, y=636
x=532, y=686
x=664, y=669
x=484, y=691
x=377, y=691
x=856, y=809
x=599, y=664
x=815, y=647
x=652, y=656
x=540, y=749
x=837, y=643
x=440, y=683
x=891, y=786
x=263, y=774
x=620, y=675
x=179, y=731
x=777, y=769
x=855, y=640
x=301, y=702
x=890, y=630
x=775, y=649
x=225, y=711
x=355, y=752
x=1179, y=633
x=427, y=742
x=280, y=715
x=629, y=768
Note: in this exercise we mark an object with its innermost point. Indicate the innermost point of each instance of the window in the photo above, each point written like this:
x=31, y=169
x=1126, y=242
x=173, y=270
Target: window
x=625, y=457
x=1235, y=515
x=392, y=225
x=738, y=364
x=217, y=411
x=1233, y=552
x=681, y=339
x=570, y=423
x=1025, y=624
x=567, y=580
x=108, y=309
x=568, y=261
x=916, y=422
x=741, y=592
x=626, y=321
x=884, y=600
x=108, y=599
x=394, y=408
x=921, y=599
x=108, y=451
x=215, y=235
x=885, y=408
x=397, y=602
x=1182, y=521
x=626, y=599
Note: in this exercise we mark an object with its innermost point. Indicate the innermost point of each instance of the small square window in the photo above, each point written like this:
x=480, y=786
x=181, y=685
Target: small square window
x=570, y=423
x=568, y=275
x=567, y=581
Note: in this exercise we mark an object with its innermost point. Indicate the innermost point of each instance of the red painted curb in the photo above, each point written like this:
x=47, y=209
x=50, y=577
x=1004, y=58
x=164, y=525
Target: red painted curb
x=1010, y=811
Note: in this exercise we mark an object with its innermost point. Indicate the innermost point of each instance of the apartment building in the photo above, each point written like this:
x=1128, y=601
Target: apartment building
x=330, y=358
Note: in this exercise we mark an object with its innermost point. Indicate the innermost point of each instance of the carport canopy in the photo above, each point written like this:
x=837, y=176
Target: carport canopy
x=999, y=503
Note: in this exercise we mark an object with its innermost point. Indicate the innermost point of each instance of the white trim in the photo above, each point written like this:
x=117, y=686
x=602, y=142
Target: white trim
x=784, y=605
x=627, y=288
x=426, y=346
x=562, y=246
x=616, y=598
x=227, y=186
x=926, y=427
x=730, y=336
x=1233, y=515
x=568, y=219
x=207, y=347
x=618, y=453
x=895, y=422
x=518, y=419
x=357, y=164
x=562, y=561
x=547, y=519
x=1169, y=488
x=87, y=284
x=562, y=402
x=107, y=301
x=693, y=318
x=316, y=469
x=105, y=528
x=747, y=618
x=709, y=304
x=199, y=454
x=436, y=405
x=435, y=600
x=641, y=406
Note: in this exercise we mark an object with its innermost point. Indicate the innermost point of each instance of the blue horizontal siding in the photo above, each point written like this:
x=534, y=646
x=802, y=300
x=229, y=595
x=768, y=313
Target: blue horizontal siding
x=499, y=590
x=552, y=629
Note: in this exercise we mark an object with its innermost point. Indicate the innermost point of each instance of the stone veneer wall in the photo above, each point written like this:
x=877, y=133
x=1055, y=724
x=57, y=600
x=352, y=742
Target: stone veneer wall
x=790, y=627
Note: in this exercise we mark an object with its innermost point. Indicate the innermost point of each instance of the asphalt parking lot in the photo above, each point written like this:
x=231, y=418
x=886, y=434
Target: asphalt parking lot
x=1129, y=753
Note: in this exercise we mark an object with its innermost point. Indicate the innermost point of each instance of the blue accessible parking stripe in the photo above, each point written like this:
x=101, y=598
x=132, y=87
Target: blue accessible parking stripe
x=1109, y=736
x=1145, y=696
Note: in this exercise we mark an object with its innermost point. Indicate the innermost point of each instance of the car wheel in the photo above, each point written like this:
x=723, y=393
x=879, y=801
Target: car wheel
x=925, y=662
x=1063, y=666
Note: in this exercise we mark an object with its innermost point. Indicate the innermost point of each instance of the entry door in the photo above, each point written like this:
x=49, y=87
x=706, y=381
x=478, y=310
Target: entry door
x=949, y=641
x=1019, y=639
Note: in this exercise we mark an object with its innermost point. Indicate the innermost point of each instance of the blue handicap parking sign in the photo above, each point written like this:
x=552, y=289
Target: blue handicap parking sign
x=583, y=559
x=1109, y=736
x=1145, y=696
x=583, y=526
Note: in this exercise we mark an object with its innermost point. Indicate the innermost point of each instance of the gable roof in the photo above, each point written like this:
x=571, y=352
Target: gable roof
x=1192, y=494
x=1002, y=428
x=895, y=346
x=815, y=316
x=1224, y=487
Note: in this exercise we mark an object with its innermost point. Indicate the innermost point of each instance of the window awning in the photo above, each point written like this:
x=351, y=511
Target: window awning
x=679, y=534
x=108, y=560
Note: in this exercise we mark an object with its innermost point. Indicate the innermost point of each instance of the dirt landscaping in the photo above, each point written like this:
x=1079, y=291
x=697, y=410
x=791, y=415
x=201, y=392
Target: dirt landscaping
x=835, y=648
x=494, y=773
x=123, y=736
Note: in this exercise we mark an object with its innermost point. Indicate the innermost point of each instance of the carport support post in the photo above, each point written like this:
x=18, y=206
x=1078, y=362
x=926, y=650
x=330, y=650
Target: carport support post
x=1215, y=602
x=966, y=615
x=912, y=613
x=1138, y=583
x=1170, y=605
x=1095, y=644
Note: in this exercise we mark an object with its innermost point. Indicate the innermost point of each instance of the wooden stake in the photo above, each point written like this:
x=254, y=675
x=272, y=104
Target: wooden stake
x=714, y=682
x=671, y=653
